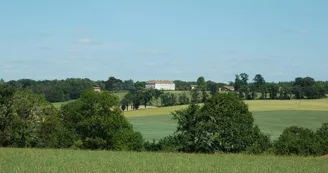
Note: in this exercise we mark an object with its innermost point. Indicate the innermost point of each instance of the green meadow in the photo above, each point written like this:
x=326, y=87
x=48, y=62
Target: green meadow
x=62, y=161
x=154, y=123
x=272, y=116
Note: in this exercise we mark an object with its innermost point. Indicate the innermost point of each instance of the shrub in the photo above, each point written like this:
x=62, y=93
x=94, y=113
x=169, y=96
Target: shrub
x=261, y=144
x=322, y=135
x=170, y=143
x=222, y=124
x=296, y=141
x=99, y=122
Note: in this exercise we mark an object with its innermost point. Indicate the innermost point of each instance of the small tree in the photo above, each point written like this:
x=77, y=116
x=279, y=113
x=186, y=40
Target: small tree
x=296, y=140
x=195, y=95
x=322, y=135
x=183, y=99
x=222, y=124
x=99, y=122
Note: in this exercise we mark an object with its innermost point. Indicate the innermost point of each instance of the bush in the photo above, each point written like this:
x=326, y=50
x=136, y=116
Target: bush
x=322, y=135
x=99, y=122
x=296, y=141
x=261, y=144
x=170, y=143
x=222, y=124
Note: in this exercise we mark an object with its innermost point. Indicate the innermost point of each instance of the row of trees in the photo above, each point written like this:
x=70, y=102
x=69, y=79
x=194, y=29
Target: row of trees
x=145, y=96
x=258, y=88
x=301, y=88
x=96, y=121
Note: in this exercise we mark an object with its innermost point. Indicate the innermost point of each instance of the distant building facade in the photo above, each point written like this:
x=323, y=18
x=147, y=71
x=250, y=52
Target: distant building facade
x=193, y=87
x=160, y=84
x=97, y=89
x=228, y=88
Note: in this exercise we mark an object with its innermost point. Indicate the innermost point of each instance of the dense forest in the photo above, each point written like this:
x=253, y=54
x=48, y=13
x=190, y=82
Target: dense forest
x=248, y=89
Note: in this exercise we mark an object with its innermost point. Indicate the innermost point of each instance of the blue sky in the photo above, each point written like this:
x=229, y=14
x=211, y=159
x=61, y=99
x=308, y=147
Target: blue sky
x=157, y=39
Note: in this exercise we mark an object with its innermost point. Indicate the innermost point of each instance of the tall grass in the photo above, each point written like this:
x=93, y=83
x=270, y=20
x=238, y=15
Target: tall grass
x=61, y=161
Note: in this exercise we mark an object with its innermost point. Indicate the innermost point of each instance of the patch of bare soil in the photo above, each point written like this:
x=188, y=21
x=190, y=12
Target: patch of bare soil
x=325, y=156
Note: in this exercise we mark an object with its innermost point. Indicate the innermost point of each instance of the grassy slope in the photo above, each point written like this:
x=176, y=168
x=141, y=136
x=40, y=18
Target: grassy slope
x=272, y=122
x=272, y=116
x=38, y=160
x=254, y=105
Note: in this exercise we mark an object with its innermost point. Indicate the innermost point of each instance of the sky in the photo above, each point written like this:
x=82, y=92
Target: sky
x=164, y=40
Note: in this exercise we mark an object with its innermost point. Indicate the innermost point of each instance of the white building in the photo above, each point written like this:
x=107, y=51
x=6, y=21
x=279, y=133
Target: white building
x=160, y=84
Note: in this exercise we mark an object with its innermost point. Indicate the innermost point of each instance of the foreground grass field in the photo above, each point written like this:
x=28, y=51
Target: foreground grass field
x=61, y=161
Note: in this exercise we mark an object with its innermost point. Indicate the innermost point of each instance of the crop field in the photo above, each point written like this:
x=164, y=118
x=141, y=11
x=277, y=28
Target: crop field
x=272, y=116
x=61, y=161
x=271, y=122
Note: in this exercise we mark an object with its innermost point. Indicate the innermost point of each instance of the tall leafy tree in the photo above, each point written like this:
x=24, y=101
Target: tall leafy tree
x=113, y=84
x=213, y=87
x=147, y=95
x=259, y=80
x=98, y=120
x=244, y=78
x=157, y=95
x=128, y=85
x=201, y=82
x=222, y=124
x=238, y=83
x=195, y=96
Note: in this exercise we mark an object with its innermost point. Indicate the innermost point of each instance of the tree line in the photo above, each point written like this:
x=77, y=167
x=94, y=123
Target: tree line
x=95, y=121
x=258, y=88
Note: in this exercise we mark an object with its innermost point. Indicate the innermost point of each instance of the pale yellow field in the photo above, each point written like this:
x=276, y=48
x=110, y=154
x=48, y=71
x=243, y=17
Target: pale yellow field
x=254, y=105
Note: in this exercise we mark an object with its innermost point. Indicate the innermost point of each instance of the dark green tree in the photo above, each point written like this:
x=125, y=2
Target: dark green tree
x=183, y=99
x=195, y=96
x=212, y=87
x=201, y=82
x=147, y=95
x=222, y=124
x=244, y=78
x=113, y=84
x=157, y=94
x=296, y=140
x=99, y=122
x=238, y=83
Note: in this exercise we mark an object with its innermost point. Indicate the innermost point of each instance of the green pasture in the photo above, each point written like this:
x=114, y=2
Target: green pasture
x=272, y=116
x=62, y=161
x=271, y=122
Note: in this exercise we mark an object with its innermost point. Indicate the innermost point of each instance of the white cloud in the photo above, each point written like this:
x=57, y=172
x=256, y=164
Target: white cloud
x=152, y=52
x=303, y=31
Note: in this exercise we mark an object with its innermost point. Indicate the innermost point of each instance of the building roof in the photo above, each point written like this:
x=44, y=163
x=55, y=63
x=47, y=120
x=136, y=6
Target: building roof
x=229, y=87
x=159, y=82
